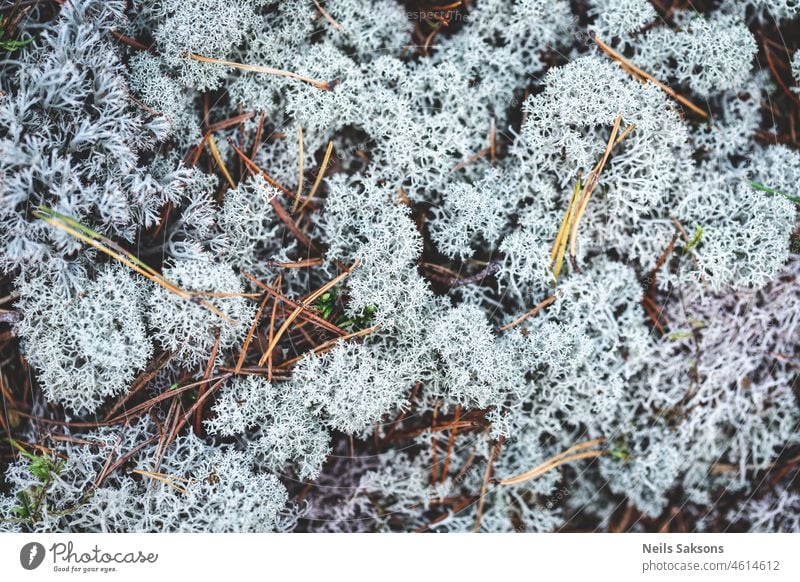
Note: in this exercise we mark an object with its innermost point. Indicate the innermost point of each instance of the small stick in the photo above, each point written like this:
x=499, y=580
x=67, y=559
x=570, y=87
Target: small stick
x=325, y=85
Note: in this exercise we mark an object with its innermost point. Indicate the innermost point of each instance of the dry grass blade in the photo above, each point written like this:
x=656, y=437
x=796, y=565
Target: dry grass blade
x=325, y=85
x=561, y=458
x=312, y=262
x=166, y=479
x=560, y=244
x=586, y=193
x=112, y=249
x=643, y=76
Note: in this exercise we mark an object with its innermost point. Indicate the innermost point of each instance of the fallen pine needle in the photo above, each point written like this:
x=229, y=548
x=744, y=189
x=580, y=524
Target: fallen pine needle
x=327, y=16
x=487, y=475
x=212, y=145
x=641, y=75
x=550, y=464
x=325, y=85
x=528, y=314
x=320, y=175
x=294, y=314
x=328, y=345
x=300, y=171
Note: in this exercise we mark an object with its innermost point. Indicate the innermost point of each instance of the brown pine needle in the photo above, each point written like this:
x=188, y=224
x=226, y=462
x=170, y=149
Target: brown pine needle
x=492, y=141
x=231, y=121
x=328, y=345
x=434, y=462
x=307, y=314
x=493, y=454
x=320, y=175
x=279, y=209
x=312, y=262
x=450, y=442
x=528, y=314
x=249, y=338
x=212, y=145
x=641, y=75
x=166, y=479
x=292, y=316
x=300, y=172
x=198, y=424
x=471, y=159
x=327, y=16
x=324, y=85
x=272, y=317
x=253, y=167
x=559, y=459
x=226, y=294
x=259, y=130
